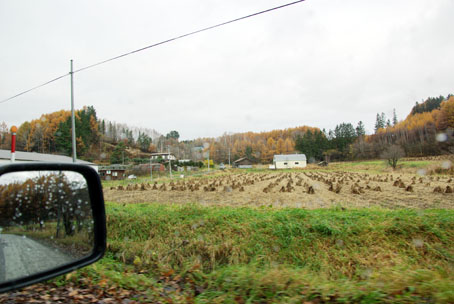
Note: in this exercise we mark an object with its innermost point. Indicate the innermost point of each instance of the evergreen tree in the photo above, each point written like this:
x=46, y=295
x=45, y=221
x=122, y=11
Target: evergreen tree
x=377, y=123
x=380, y=122
x=118, y=153
x=345, y=135
x=173, y=134
x=360, y=129
x=143, y=142
x=428, y=105
x=63, y=138
x=103, y=127
x=249, y=152
x=312, y=144
x=87, y=132
x=394, y=117
x=383, y=120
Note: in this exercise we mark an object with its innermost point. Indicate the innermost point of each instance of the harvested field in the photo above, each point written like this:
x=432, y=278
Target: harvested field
x=302, y=189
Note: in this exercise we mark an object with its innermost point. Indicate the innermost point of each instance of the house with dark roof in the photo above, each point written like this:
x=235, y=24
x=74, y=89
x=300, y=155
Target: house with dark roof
x=5, y=158
x=289, y=161
x=112, y=172
x=243, y=163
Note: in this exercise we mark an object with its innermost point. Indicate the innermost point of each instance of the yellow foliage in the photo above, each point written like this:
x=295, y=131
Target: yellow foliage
x=447, y=113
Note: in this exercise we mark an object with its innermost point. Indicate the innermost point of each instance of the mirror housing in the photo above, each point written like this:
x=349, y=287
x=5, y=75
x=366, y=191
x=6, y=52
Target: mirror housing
x=96, y=199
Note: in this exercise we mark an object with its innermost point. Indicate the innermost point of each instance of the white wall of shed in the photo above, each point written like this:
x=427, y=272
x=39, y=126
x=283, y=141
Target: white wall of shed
x=290, y=164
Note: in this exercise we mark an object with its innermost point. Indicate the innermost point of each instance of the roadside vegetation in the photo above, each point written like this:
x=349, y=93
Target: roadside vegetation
x=202, y=253
x=184, y=253
x=395, y=249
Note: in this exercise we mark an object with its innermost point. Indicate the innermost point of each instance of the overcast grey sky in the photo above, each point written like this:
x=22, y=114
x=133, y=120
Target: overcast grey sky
x=317, y=63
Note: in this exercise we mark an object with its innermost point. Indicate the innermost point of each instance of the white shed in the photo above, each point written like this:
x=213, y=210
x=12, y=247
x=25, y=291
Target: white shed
x=289, y=161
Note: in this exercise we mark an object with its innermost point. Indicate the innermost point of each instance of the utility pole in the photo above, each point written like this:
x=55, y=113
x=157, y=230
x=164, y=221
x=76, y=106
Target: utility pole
x=230, y=139
x=170, y=163
x=73, y=119
x=229, y=156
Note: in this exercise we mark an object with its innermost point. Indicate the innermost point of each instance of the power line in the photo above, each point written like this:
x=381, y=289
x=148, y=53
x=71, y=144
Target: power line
x=154, y=45
x=34, y=88
x=186, y=35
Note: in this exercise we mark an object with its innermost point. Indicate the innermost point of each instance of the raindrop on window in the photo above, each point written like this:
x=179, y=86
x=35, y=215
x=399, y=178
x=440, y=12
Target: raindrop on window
x=442, y=137
x=418, y=243
x=446, y=164
x=422, y=172
x=339, y=243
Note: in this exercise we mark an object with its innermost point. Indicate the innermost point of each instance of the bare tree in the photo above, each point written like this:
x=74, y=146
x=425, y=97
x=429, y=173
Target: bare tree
x=392, y=154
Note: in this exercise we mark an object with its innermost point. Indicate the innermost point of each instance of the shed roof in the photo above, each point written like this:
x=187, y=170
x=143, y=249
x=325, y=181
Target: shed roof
x=241, y=159
x=41, y=157
x=289, y=157
x=113, y=167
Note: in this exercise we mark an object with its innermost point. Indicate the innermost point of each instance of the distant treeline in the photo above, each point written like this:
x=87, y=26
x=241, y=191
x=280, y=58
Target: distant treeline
x=427, y=130
x=51, y=133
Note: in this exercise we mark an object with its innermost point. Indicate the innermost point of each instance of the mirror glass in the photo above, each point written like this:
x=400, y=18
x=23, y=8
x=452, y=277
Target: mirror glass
x=46, y=221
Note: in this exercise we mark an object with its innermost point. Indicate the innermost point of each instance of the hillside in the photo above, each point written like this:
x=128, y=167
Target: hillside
x=426, y=131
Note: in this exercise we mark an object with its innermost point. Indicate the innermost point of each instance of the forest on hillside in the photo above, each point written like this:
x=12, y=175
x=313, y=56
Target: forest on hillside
x=427, y=130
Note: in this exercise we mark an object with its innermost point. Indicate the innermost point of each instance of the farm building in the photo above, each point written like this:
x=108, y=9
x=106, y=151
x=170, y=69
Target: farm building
x=158, y=167
x=163, y=156
x=289, y=161
x=112, y=172
x=21, y=157
x=243, y=163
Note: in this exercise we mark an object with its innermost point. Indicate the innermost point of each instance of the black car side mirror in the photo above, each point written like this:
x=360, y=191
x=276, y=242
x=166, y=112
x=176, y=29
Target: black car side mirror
x=52, y=221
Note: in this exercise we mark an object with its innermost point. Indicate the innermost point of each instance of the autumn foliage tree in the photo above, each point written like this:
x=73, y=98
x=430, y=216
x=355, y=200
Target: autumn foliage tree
x=417, y=134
